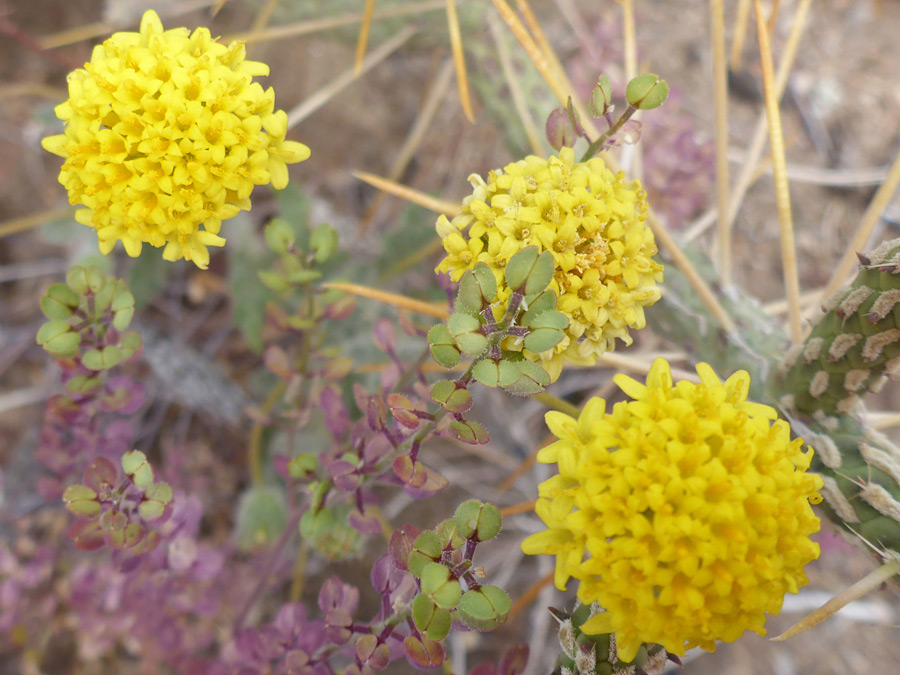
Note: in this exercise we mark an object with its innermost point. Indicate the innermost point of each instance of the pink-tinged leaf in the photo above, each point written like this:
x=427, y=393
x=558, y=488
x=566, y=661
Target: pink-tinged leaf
x=361, y=396
x=410, y=472
x=422, y=652
x=113, y=521
x=385, y=336
x=337, y=419
x=407, y=325
x=376, y=413
x=403, y=410
x=366, y=523
x=514, y=660
x=340, y=308
x=101, y=475
x=87, y=535
x=377, y=447
x=129, y=537
x=277, y=361
x=344, y=475
x=485, y=669
x=402, y=542
x=147, y=544
x=337, y=368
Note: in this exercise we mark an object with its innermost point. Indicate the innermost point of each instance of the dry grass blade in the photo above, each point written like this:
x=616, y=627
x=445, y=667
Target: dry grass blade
x=740, y=32
x=529, y=596
x=27, y=222
x=411, y=195
x=524, y=507
x=325, y=94
x=438, y=311
x=868, y=583
x=414, y=137
x=363, y=37
x=866, y=225
x=749, y=170
x=720, y=82
x=459, y=60
x=531, y=132
x=319, y=25
x=631, y=154
x=100, y=28
x=262, y=20
x=779, y=169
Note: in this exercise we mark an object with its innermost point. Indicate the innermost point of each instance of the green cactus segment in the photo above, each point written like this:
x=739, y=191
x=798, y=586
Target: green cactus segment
x=596, y=654
x=855, y=344
x=861, y=471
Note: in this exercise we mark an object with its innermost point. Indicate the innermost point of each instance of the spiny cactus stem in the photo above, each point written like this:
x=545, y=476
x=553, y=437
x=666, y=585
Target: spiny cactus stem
x=868, y=583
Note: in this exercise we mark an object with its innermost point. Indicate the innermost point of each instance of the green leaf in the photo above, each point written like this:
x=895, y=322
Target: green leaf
x=246, y=259
x=261, y=518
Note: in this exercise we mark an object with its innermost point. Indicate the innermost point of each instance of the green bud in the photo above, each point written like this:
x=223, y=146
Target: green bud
x=104, y=297
x=469, y=432
x=130, y=343
x=477, y=520
x=487, y=282
x=449, y=535
x=426, y=549
x=468, y=297
x=63, y=346
x=114, y=521
x=64, y=295
x=472, y=344
x=507, y=372
x=443, y=590
x=544, y=302
x=430, y=619
x=279, y=235
x=324, y=242
x=135, y=466
x=83, y=279
x=82, y=384
x=454, y=399
x=82, y=501
x=519, y=267
x=304, y=276
x=541, y=339
x=532, y=379
x=52, y=329
x=647, y=92
x=460, y=324
x=303, y=465
x=541, y=274
x=601, y=97
x=487, y=372
x=56, y=309
x=262, y=514
x=274, y=281
x=102, y=359
x=443, y=346
x=315, y=524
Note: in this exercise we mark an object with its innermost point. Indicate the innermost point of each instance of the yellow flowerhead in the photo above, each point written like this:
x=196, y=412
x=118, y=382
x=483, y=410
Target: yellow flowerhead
x=685, y=513
x=166, y=135
x=590, y=219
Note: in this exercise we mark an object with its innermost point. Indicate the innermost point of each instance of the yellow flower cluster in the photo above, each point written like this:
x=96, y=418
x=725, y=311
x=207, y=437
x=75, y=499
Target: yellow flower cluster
x=685, y=513
x=166, y=135
x=590, y=219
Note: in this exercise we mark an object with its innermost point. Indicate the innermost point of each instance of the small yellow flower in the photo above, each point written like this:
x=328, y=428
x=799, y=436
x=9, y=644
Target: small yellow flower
x=593, y=223
x=166, y=135
x=685, y=513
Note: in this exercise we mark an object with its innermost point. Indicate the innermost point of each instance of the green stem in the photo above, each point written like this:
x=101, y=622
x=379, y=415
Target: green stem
x=597, y=145
x=556, y=403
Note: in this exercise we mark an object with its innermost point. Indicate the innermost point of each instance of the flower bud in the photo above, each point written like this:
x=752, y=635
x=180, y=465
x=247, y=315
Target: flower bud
x=443, y=590
x=82, y=501
x=477, y=520
x=647, y=92
x=601, y=97
x=443, y=346
x=323, y=241
x=426, y=549
x=135, y=466
x=429, y=618
x=454, y=399
x=566, y=636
